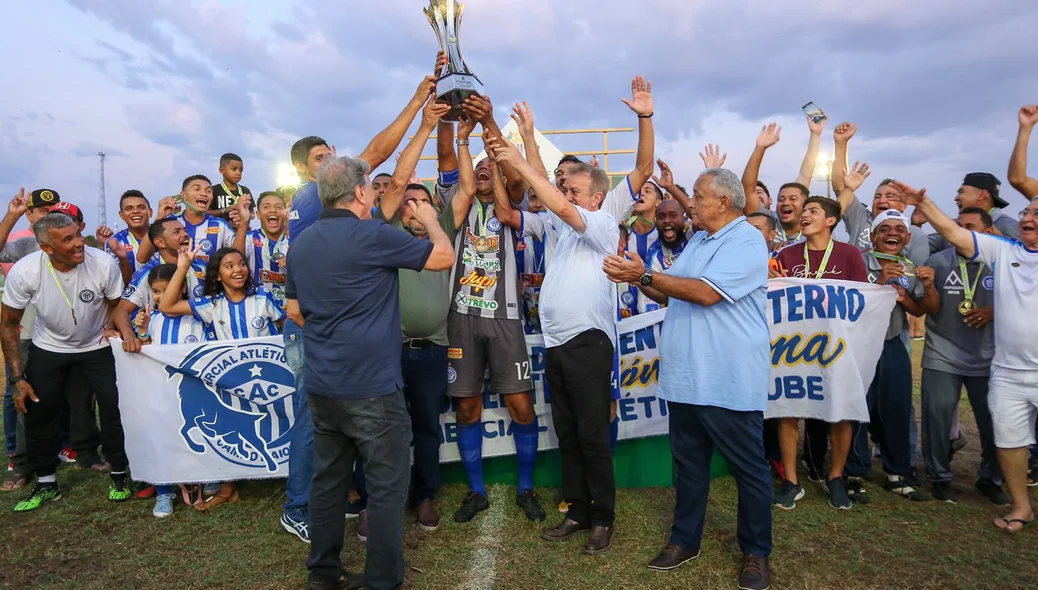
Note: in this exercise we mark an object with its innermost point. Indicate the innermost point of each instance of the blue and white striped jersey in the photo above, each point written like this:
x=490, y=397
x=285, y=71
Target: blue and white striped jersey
x=266, y=259
x=138, y=291
x=256, y=315
x=211, y=234
x=164, y=329
x=127, y=239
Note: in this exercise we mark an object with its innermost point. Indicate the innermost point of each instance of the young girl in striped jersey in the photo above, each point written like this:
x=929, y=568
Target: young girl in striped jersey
x=159, y=328
x=231, y=306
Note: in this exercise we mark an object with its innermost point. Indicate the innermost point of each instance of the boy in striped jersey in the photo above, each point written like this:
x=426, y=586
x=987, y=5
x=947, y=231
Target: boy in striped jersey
x=135, y=211
x=266, y=248
x=207, y=233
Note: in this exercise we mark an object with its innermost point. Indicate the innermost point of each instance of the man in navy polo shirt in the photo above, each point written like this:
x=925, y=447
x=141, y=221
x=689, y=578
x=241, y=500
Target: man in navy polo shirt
x=348, y=305
x=305, y=208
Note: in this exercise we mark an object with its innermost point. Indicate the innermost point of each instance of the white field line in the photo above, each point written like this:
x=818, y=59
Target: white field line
x=482, y=571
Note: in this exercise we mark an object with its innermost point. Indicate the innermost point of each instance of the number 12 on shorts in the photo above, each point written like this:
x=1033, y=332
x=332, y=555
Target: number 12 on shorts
x=522, y=370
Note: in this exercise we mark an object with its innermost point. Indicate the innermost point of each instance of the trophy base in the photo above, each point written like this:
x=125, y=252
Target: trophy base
x=453, y=89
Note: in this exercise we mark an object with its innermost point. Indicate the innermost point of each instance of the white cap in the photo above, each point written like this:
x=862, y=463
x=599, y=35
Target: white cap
x=890, y=215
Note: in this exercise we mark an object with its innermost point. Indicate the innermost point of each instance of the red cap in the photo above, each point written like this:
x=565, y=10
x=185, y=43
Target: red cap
x=68, y=209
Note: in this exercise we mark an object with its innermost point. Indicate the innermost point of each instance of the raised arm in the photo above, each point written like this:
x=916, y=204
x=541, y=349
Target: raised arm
x=462, y=201
x=841, y=137
x=503, y=209
x=242, y=231
x=15, y=210
x=523, y=117
x=546, y=191
x=961, y=239
x=851, y=181
x=442, y=257
x=769, y=136
x=385, y=143
x=408, y=161
x=666, y=181
x=171, y=303
x=1018, y=177
x=807, y=166
x=642, y=105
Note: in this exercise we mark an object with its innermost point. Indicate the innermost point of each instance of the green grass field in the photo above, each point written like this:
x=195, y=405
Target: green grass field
x=82, y=541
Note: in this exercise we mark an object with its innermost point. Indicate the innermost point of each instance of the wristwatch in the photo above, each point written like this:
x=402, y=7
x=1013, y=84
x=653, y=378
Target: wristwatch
x=646, y=279
x=12, y=379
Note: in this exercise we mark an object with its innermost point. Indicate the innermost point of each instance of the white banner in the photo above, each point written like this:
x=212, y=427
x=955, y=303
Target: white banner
x=641, y=413
x=215, y=411
x=826, y=338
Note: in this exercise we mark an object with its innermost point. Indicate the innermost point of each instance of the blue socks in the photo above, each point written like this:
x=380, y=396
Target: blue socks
x=614, y=431
x=470, y=445
x=525, y=436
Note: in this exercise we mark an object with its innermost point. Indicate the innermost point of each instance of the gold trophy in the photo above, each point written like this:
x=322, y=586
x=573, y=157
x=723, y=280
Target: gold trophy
x=456, y=82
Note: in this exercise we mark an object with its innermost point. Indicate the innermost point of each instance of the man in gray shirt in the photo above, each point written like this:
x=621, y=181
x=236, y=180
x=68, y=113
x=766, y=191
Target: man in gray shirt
x=980, y=190
x=959, y=347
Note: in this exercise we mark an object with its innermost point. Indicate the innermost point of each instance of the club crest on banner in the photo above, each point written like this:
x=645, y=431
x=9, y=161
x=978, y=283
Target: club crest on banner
x=236, y=401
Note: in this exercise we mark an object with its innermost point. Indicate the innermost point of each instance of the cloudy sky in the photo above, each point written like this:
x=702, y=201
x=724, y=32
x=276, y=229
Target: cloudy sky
x=166, y=86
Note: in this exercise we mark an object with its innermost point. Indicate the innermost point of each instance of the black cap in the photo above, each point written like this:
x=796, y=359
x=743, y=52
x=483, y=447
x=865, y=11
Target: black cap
x=42, y=196
x=986, y=182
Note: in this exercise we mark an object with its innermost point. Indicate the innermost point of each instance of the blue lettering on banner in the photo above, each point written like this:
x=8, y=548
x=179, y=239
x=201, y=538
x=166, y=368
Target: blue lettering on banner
x=638, y=340
x=796, y=387
x=808, y=302
x=799, y=349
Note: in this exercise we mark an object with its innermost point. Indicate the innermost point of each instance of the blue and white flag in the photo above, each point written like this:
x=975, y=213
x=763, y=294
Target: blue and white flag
x=826, y=339
x=206, y=412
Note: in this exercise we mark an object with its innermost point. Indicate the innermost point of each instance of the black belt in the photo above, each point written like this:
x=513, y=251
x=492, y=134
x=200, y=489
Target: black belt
x=419, y=344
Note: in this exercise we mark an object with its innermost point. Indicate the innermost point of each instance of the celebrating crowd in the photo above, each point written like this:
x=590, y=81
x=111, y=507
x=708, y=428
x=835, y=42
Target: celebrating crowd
x=450, y=282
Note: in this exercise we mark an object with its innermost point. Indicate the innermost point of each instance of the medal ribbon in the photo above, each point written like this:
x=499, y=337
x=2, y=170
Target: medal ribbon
x=481, y=223
x=71, y=304
x=825, y=261
x=969, y=290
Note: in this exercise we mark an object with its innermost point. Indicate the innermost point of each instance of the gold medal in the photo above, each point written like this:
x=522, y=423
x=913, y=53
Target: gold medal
x=967, y=306
x=482, y=245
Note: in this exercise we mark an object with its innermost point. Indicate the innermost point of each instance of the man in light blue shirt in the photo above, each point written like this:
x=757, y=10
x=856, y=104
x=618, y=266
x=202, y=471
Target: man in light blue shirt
x=714, y=370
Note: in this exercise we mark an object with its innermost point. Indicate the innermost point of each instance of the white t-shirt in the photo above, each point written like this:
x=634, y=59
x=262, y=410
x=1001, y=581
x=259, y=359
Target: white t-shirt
x=619, y=202
x=576, y=295
x=1016, y=300
x=88, y=288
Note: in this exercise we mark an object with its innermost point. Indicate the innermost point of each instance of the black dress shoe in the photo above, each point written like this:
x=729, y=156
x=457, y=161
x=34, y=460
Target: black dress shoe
x=600, y=541
x=756, y=575
x=567, y=529
x=672, y=557
x=346, y=581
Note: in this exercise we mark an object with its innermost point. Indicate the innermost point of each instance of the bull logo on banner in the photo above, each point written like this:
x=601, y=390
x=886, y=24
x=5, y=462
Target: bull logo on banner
x=237, y=400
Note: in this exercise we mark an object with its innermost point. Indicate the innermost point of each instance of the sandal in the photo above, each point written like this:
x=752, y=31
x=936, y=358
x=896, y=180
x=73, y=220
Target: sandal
x=228, y=493
x=1009, y=522
x=14, y=483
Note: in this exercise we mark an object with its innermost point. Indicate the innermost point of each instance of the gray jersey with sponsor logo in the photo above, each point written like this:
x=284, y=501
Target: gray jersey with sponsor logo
x=484, y=281
x=951, y=345
x=898, y=317
x=859, y=227
x=1002, y=222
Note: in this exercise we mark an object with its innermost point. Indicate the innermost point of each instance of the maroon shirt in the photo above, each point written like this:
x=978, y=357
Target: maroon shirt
x=845, y=263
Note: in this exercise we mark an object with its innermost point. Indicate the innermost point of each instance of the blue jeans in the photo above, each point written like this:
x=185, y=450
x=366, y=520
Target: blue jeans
x=301, y=452
x=425, y=389
x=694, y=432
x=378, y=430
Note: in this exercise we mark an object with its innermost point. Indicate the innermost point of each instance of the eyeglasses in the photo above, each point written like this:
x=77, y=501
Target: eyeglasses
x=1028, y=213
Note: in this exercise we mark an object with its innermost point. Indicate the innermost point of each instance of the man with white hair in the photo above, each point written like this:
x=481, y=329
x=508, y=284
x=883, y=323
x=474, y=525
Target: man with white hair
x=714, y=370
x=1013, y=387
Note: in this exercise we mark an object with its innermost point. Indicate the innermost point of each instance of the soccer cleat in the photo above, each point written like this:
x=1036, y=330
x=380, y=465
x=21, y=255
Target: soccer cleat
x=163, y=505
x=787, y=496
x=836, y=489
x=67, y=455
x=856, y=490
x=41, y=493
x=144, y=491
x=118, y=488
x=297, y=525
x=902, y=486
x=473, y=503
x=943, y=492
x=528, y=502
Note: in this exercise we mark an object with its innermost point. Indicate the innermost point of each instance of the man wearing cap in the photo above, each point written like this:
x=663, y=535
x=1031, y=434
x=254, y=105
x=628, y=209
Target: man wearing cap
x=73, y=289
x=890, y=395
x=1013, y=386
x=979, y=189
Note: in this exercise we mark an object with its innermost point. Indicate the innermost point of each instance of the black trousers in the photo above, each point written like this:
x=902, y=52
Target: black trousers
x=51, y=375
x=578, y=374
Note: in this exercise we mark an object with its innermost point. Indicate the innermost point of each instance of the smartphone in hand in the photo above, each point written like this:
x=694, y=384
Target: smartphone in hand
x=816, y=114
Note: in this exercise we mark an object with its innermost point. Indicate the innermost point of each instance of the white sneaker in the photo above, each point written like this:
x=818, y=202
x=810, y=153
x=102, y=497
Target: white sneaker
x=163, y=505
